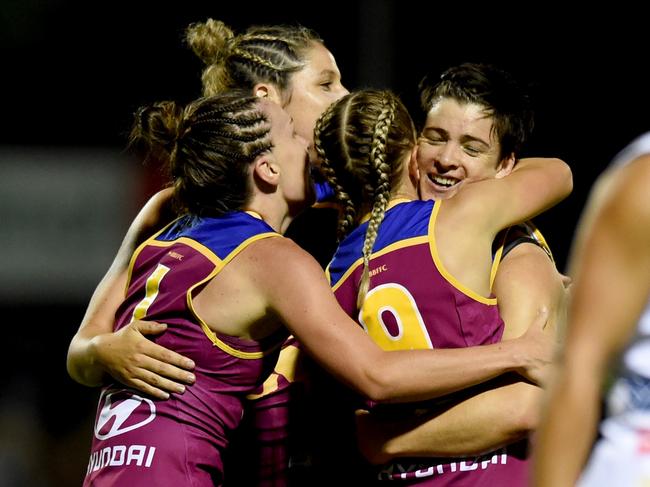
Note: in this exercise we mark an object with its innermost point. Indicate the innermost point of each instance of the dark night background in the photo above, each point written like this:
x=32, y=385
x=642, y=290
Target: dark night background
x=74, y=72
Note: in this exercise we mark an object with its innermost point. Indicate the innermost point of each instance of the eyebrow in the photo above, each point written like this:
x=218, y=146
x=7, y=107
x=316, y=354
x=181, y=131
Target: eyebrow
x=328, y=72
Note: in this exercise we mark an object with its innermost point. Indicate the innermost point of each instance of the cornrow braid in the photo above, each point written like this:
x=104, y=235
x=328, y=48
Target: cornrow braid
x=265, y=37
x=261, y=54
x=216, y=139
x=243, y=137
x=256, y=59
x=242, y=122
x=232, y=107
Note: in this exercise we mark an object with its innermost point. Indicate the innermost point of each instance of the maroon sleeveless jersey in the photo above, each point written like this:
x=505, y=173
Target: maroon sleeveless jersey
x=413, y=302
x=139, y=440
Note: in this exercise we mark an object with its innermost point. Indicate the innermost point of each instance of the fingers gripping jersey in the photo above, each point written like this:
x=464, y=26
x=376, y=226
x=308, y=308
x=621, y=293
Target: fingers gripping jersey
x=180, y=441
x=414, y=302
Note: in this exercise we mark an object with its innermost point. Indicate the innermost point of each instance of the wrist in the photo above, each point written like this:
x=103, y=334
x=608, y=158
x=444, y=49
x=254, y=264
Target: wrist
x=94, y=369
x=514, y=357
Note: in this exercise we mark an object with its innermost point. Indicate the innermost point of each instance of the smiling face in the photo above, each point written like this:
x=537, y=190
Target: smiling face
x=457, y=145
x=313, y=89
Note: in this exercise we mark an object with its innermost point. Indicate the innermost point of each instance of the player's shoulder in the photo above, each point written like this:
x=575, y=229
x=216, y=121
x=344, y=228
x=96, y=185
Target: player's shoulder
x=283, y=254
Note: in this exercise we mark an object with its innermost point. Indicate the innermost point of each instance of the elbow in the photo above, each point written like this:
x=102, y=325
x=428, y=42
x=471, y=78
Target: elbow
x=77, y=374
x=569, y=181
x=377, y=392
x=80, y=366
x=377, y=386
x=386, y=381
x=74, y=371
x=381, y=390
x=527, y=421
x=525, y=413
x=381, y=378
x=565, y=177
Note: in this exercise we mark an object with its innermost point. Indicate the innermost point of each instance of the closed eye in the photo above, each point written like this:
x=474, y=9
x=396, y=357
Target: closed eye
x=472, y=151
x=431, y=140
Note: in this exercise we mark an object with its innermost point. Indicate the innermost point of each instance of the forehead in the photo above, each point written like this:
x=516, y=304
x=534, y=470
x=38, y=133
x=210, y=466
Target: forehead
x=318, y=60
x=459, y=118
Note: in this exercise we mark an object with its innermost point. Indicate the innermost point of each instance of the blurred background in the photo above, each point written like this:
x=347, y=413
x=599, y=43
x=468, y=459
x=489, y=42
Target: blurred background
x=74, y=73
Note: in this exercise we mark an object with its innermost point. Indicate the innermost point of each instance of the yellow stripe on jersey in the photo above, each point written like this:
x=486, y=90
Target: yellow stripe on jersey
x=206, y=329
x=540, y=238
x=137, y=252
x=270, y=385
x=441, y=268
x=285, y=367
x=397, y=245
x=190, y=243
x=496, y=261
x=495, y=265
x=391, y=204
x=219, y=265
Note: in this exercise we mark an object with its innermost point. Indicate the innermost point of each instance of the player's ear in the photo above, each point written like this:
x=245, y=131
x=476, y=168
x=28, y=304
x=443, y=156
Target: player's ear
x=414, y=169
x=505, y=166
x=267, y=90
x=266, y=172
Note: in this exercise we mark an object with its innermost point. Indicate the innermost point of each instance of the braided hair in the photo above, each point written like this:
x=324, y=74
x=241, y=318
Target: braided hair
x=207, y=147
x=362, y=140
x=261, y=54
